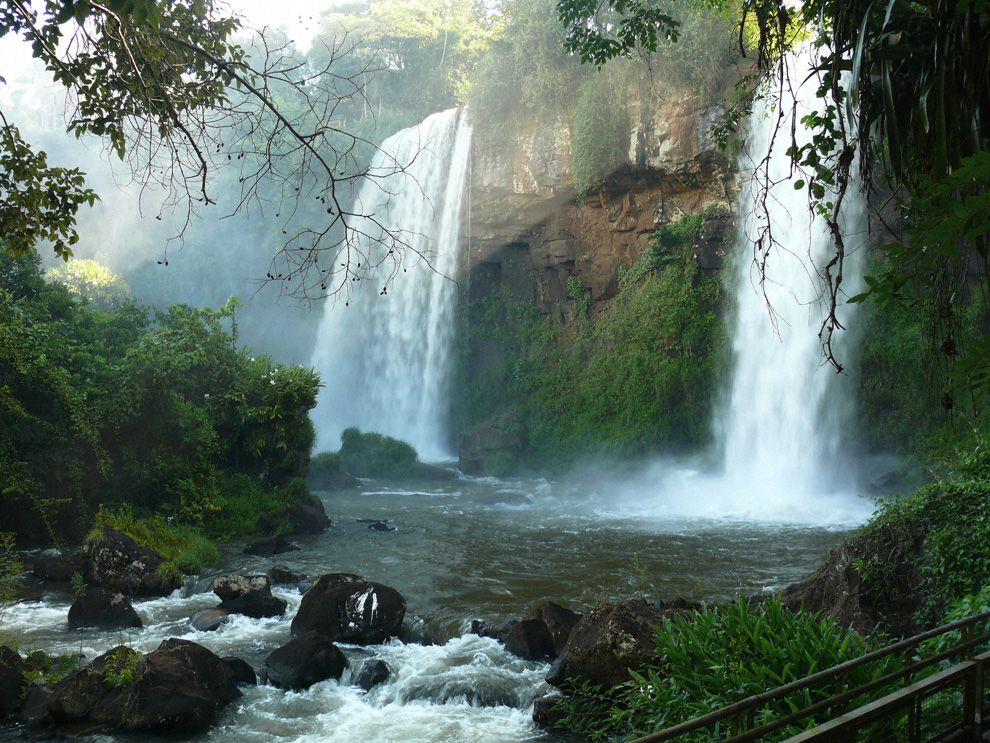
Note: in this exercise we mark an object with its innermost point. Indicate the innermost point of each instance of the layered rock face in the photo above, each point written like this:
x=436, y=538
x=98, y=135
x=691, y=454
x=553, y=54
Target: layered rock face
x=529, y=232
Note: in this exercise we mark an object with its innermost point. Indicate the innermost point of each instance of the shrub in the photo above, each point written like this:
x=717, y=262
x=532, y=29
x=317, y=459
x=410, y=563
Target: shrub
x=921, y=535
x=375, y=455
x=718, y=656
x=324, y=470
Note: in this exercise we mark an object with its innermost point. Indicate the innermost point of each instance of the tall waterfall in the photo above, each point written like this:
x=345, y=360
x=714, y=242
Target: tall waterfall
x=384, y=359
x=788, y=416
x=784, y=427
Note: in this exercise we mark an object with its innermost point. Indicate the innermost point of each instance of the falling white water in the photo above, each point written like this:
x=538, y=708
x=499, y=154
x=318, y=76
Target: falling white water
x=784, y=428
x=788, y=417
x=384, y=359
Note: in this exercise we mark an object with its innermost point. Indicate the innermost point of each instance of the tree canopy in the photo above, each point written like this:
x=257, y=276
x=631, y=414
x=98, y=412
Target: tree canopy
x=175, y=92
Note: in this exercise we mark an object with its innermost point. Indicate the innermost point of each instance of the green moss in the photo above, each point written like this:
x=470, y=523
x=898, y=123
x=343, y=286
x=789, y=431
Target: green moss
x=639, y=377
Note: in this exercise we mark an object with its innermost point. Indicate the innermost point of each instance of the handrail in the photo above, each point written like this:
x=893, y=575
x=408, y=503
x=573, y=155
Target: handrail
x=758, y=700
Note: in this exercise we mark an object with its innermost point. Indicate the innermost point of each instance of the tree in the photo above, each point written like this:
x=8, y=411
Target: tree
x=905, y=88
x=170, y=89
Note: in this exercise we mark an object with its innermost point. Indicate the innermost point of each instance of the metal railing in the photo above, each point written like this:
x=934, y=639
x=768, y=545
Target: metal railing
x=737, y=723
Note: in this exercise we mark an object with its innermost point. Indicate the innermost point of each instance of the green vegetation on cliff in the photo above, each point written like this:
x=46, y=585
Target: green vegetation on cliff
x=637, y=378
x=113, y=407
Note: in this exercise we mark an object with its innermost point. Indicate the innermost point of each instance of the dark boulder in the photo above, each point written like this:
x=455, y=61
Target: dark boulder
x=545, y=713
x=248, y=595
x=244, y=675
x=839, y=589
x=607, y=642
x=119, y=563
x=35, y=711
x=347, y=608
x=270, y=546
x=304, y=661
x=309, y=517
x=494, y=631
x=374, y=671
x=559, y=621
x=102, y=609
x=59, y=569
x=280, y=575
x=380, y=526
x=208, y=620
x=179, y=688
x=12, y=684
x=529, y=639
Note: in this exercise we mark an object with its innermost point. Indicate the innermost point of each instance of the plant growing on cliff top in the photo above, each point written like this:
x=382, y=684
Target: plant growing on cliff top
x=717, y=656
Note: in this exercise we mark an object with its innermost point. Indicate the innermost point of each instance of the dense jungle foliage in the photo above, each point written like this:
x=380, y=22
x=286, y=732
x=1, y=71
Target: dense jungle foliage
x=156, y=410
x=639, y=377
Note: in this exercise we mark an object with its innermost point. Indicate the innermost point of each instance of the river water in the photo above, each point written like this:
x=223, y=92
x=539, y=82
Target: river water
x=461, y=550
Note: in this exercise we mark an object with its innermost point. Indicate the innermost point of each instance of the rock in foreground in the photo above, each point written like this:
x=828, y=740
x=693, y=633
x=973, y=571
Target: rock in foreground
x=346, y=608
x=607, y=642
x=178, y=688
x=250, y=595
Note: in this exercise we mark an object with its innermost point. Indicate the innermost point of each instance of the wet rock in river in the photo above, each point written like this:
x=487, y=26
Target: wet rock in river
x=250, y=595
x=529, y=639
x=244, y=674
x=374, y=671
x=102, y=609
x=119, y=563
x=271, y=546
x=559, y=621
x=208, y=620
x=347, y=608
x=280, y=575
x=304, y=661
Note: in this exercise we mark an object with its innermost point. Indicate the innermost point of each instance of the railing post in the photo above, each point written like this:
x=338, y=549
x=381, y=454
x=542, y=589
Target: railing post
x=974, y=705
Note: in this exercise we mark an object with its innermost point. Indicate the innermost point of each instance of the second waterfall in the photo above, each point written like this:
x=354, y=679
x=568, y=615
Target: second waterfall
x=384, y=359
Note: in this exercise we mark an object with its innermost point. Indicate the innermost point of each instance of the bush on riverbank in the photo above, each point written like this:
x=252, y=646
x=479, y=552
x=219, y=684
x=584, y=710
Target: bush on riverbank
x=375, y=455
x=159, y=411
x=714, y=657
x=931, y=549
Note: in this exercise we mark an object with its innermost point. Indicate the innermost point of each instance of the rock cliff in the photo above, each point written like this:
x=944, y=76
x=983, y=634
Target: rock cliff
x=528, y=231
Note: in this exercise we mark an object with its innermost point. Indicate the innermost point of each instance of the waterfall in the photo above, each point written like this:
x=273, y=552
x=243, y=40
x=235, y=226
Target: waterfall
x=784, y=426
x=384, y=359
x=787, y=420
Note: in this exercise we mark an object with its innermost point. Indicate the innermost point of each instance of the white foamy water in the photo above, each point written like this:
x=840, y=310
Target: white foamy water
x=384, y=359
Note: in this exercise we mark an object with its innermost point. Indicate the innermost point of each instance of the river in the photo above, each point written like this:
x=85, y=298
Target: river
x=461, y=550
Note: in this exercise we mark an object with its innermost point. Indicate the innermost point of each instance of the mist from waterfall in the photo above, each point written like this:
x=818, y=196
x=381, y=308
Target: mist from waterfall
x=385, y=358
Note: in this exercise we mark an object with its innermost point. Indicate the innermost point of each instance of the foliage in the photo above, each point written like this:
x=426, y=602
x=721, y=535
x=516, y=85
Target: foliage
x=921, y=535
x=185, y=549
x=715, y=657
x=119, y=667
x=962, y=608
x=599, y=133
x=10, y=570
x=375, y=455
x=324, y=468
x=92, y=283
x=638, y=377
x=115, y=407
